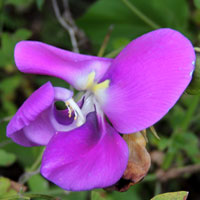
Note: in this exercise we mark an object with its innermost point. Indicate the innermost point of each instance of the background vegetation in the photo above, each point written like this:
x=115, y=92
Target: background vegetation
x=175, y=158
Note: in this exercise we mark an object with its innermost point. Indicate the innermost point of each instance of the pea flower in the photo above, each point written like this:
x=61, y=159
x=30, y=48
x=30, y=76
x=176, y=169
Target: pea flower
x=133, y=91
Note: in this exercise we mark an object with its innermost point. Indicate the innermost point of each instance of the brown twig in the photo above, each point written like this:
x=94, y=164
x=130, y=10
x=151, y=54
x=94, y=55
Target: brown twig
x=66, y=22
x=105, y=41
x=172, y=173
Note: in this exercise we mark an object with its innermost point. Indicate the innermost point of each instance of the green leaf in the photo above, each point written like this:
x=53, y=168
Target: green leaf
x=127, y=25
x=38, y=184
x=161, y=144
x=177, y=13
x=132, y=194
x=5, y=187
x=182, y=195
x=197, y=3
x=119, y=42
x=76, y=195
x=96, y=196
x=8, y=87
x=6, y=158
x=104, y=13
x=23, y=153
x=21, y=3
x=192, y=147
x=1, y=4
x=100, y=195
x=169, y=157
x=176, y=116
x=8, y=42
x=39, y=4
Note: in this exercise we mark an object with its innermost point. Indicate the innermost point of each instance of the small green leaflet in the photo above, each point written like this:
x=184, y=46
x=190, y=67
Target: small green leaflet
x=181, y=195
x=6, y=158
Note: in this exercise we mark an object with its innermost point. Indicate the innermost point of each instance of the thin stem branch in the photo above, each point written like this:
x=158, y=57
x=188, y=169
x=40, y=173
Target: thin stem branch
x=80, y=35
x=158, y=188
x=37, y=161
x=177, y=172
x=33, y=170
x=141, y=15
x=27, y=175
x=65, y=25
x=65, y=4
x=105, y=41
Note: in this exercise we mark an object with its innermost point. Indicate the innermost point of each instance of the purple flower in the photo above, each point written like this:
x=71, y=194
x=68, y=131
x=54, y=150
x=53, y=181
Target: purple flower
x=134, y=90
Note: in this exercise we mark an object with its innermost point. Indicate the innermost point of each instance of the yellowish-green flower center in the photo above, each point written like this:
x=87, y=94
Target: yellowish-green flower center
x=95, y=87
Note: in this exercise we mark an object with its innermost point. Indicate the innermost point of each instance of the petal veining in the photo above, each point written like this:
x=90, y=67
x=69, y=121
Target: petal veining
x=146, y=79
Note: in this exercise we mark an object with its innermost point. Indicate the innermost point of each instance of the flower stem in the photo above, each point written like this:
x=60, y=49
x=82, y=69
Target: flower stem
x=37, y=161
x=33, y=170
x=141, y=15
x=158, y=188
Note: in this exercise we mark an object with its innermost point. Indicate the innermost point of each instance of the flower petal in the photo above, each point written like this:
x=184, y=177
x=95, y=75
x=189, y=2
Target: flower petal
x=32, y=125
x=147, y=78
x=60, y=116
x=39, y=58
x=85, y=158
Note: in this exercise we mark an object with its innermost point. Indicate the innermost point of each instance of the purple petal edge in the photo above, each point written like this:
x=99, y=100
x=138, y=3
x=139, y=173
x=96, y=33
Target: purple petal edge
x=40, y=58
x=147, y=78
x=85, y=158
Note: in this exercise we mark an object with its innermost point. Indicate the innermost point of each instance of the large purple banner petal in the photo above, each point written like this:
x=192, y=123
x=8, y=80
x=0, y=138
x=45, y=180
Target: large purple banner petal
x=147, y=78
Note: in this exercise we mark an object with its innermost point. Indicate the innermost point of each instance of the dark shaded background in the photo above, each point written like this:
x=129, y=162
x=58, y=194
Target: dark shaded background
x=179, y=130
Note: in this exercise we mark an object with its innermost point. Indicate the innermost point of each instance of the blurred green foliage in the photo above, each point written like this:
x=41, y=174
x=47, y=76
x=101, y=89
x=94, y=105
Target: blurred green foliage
x=5, y=187
x=128, y=25
x=35, y=20
x=6, y=158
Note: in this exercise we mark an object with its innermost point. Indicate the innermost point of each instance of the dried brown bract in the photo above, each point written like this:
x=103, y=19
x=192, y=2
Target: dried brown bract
x=138, y=164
